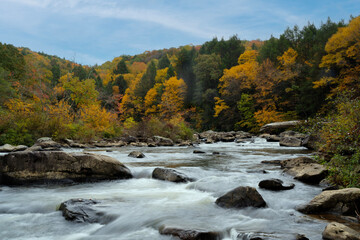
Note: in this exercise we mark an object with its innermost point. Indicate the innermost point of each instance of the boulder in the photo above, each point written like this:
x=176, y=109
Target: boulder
x=162, y=141
x=291, y=133
x=190, y=234
x=277, y=126
x=82, y=210
x=45, y=144
x=241, y=197
x=129, y=139
x=44, y=167
x=311, y=173
x=343, y=201
x=290, y=142
x=274, y=184
x=301, y=237
x=338, y=231
x=242, y=135
x=270, y=137
x=11, y=148
x=170, y=175
x=136, y=154
x=295, y=162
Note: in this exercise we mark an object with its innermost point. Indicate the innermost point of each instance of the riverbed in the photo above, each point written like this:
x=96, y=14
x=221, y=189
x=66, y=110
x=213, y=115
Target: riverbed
x=142, y=205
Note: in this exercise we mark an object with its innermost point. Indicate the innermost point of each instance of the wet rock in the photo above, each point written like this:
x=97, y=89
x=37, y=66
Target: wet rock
x=139, y=144
x=337, y=231
x=273, y=162
x=274, y=184
x=170, y=175
x=82, y=211
x=301, y=237
x=190, y=234
x=343, y=201
x=11, y=148
x=290, y=142
x=198, y=152
x=136, y=154
x=46, y=167
x=162, y=141
x=185, y=143
x=215, y=153
x=241, y=197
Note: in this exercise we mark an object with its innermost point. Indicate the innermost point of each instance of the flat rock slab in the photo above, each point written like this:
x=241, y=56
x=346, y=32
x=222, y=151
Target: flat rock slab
x=241, y=197
x=170, y=175
x=57, y=167
x=338, y=231
x=11, y=148
x=190, y=234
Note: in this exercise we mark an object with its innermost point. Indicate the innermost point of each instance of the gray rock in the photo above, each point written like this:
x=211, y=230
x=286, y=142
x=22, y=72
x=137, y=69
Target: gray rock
x=11, y=148
x=270, y=137
x=290, y=142
x=291, y=133
x=337, y=231
x=198, y=152
x=82, y=210
x=311, y=173
x=190, y=234
x=276, y=126
x=310, y=142
x=241, y=197
x=46, y=167
x=295, y=162
x=338, y=201
x=136, y=154
x=274, y=184
x=162, y=141
x=170, y=175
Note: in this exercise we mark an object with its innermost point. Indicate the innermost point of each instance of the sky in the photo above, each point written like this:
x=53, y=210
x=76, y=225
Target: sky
x=95, y=31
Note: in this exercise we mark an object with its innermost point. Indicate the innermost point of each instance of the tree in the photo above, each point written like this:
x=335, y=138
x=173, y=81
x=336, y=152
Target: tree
x=164, y=62
x=172, y=100
x=121, y=67
x=147, y=81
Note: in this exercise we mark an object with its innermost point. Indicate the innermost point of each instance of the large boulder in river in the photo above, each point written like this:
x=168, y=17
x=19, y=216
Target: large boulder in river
x=343, y=201
x=170, y=175
x=11, y=148
x=290, y=142
x=338, y=231
x=305, y=169
x=42, y=167
x=241, y=197
x=82, y=210
x=274, y=184
x=190, y=234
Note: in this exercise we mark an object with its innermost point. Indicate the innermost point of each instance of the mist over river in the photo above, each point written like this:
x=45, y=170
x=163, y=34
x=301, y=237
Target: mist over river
x=140, y=206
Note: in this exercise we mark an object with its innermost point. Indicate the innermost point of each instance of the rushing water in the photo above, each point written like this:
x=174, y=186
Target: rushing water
x=142, y=205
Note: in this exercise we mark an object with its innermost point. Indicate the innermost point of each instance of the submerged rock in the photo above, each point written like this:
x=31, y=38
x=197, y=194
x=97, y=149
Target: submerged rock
x=241, y=197
x=170, y=175
x=274, y=184
x=343, y=201
x=190, y=234
x=338, y=231
x=198, y=152
x=82, y=210
x=136, y=154
x=46, y=167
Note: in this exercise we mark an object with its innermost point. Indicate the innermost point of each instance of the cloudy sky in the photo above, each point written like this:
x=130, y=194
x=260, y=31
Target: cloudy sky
x=94, y=31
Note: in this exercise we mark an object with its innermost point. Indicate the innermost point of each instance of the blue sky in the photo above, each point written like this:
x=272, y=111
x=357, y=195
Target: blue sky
x=94, y=31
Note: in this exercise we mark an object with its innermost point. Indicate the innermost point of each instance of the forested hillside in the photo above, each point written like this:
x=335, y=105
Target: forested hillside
x=221, y=85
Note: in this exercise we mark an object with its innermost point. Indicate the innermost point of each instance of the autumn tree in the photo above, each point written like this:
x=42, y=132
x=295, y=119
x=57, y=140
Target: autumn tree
x=172, y=100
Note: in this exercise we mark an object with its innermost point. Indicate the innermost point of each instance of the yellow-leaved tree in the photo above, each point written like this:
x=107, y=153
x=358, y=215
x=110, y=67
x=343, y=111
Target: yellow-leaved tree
x=172, y=100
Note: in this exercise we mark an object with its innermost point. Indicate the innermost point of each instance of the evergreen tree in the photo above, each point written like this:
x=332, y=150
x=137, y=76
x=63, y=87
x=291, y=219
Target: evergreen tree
x=164, y=62
x=121, y=68
x=147, y=81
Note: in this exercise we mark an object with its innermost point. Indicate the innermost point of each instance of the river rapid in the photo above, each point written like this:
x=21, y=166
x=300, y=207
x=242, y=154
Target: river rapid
x=142, y=205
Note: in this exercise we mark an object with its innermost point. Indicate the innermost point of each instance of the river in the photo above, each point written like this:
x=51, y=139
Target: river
x=142, y=205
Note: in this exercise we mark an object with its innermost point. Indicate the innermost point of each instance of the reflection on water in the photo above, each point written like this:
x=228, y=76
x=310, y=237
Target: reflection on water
x=142, y=205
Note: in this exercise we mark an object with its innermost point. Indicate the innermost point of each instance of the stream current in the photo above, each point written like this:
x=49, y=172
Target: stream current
x=142, y=205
